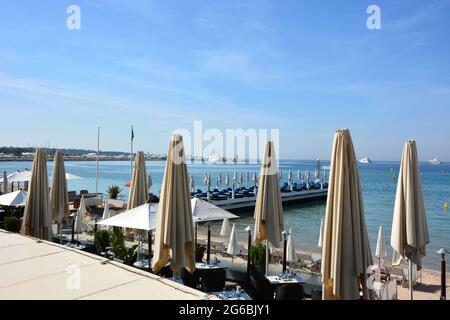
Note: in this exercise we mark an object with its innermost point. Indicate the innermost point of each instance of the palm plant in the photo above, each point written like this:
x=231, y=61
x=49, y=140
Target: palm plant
x=114, y=191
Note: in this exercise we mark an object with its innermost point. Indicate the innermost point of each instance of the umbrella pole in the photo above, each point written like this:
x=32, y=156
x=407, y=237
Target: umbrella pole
x=73, y=230
x=195, y=239
x=248, y=251
x=267, y=257
x=149, y=250
x=284, y=254
x=410, y=281
x=208, y=253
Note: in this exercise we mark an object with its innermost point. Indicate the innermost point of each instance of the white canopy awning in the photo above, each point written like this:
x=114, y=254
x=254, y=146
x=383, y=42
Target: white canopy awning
x=14, y=199
x=142, y=218
x=24, y=176
x=203, y=211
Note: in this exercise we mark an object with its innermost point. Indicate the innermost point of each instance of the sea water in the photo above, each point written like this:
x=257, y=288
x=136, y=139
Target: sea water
x=378, y=181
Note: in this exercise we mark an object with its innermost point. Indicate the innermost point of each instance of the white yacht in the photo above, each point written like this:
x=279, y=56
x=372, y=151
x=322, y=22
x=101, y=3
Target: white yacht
x=435, y=161
x=214, y=158
x=365, y=160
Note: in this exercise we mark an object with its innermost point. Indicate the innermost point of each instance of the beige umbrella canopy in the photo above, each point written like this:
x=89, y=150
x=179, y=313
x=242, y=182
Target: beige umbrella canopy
x=59, y=199
x=346, y=251
x=409, y=224
x=139, y=183
x=268, y=209
x=175, y=227
x=37, y=220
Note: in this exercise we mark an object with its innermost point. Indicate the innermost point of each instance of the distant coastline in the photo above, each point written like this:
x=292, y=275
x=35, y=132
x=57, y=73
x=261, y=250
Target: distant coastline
x=75, y=158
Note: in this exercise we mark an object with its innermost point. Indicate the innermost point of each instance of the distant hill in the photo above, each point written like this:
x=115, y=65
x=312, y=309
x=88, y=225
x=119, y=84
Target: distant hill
x=17, y=151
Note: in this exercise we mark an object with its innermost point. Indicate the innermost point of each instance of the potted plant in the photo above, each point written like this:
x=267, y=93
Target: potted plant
x=114, y=191
x=257, y=254
x=121, y=252
x=199, y=252
x=12, y=224
x=101, y=240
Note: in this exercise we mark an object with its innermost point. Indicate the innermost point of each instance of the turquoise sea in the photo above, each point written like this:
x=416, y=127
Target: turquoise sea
x=377, y=180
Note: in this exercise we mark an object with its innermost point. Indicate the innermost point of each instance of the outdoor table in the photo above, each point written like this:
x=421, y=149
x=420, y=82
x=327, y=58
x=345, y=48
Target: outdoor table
x=232, y=295
x=385, y=290
x=142, y=264
x=76, y=246
x=285, y=279
x=205, y=266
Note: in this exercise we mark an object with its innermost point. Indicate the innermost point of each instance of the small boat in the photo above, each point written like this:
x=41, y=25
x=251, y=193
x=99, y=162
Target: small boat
x=365, y=160
x=215, y=158
x=435, y=161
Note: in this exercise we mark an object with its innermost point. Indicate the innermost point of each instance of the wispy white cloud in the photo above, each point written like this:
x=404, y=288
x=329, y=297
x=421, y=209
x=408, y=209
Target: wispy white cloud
x=428, y=12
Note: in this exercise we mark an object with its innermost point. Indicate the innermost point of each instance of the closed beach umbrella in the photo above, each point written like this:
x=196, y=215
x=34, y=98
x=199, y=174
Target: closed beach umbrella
x=227, y=180
x=409, y=224
x=5, y=182
x=280, y=174
x=299, y=175
x=225, y=230
x=192, y=183
x=82, y=210
x=307, y=176
x=175, y=226
x=234, y=176
x=346, y=251
x=205, y=178
x=268, y=209
x=139, y=183
x=320, y=243
x=240, y=180
x=291, y=254
x=289, y=175
x=37, y=219
x=318, y=168
x=14, y=199
x=247, y=177
x=233, y=245
x=106, y=211
x=59, y=199
x=380, y=251
x=219, y=179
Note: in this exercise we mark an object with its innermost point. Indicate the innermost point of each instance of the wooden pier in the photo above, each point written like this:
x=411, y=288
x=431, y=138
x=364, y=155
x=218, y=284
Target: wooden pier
x=248, y=203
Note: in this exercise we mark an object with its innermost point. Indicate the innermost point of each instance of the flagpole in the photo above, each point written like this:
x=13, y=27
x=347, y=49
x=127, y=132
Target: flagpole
x=131, y=154
x=98, y=152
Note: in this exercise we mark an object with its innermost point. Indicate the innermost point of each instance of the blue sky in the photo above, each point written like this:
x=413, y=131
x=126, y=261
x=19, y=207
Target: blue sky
x=304, y=67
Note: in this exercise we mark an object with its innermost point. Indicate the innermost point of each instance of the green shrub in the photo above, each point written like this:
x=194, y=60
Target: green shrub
x=257, y=254
x=101, y=240
x=128, y=256
x=12, y=224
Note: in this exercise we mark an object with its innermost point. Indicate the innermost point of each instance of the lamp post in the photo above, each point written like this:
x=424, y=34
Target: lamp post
x=443, y=252
x=249, y=230
x=284, y=233
x=208, y=252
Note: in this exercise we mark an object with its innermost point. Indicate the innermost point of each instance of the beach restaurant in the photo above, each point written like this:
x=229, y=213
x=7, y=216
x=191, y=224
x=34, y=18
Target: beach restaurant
x=151, y=247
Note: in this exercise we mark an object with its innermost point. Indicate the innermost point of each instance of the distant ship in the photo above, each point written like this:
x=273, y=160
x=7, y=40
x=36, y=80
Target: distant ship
x=435, y=161
x=215, y=158
x=365, y=160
